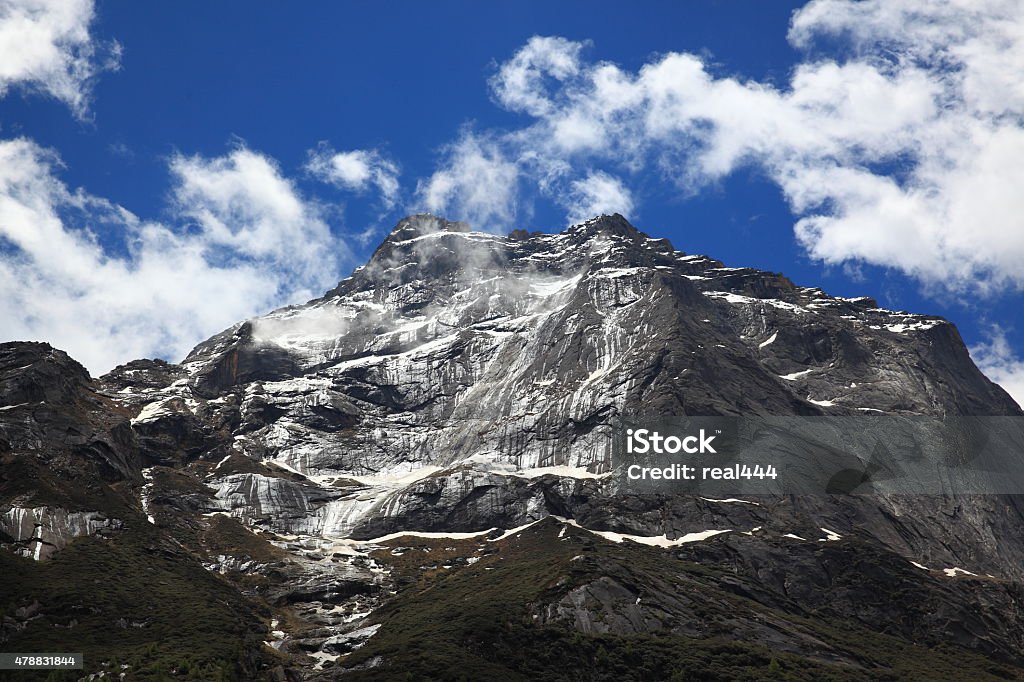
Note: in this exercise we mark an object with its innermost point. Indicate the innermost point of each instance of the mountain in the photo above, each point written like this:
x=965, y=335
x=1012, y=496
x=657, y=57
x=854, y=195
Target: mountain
x=415, y=474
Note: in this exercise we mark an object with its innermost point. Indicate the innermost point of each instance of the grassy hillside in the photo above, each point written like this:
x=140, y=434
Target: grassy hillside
x=492, y=619
x=136, y=599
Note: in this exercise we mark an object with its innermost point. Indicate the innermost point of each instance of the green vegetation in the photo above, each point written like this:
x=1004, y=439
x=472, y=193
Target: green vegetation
x=478, y=621
x=137, y=599
x=228, y=536
x=38, y=483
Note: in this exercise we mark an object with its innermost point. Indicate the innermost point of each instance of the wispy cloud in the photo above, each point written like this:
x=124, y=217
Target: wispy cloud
x=475, y=182
x=597, y=194
x=359, y=170
x=46, y=46
x=1001, y=364
x=92, y=278
x=245, y=207
x=519, y=83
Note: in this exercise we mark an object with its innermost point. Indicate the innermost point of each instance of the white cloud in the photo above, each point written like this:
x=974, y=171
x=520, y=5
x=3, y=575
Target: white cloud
x=520, y=84
x=980, y=41
x=998, y=361
x=146, y=288
x=46, y=46
x=245, y=207
x=597, y=194
x=900, y=149
x=476, y=183
x=357, y=170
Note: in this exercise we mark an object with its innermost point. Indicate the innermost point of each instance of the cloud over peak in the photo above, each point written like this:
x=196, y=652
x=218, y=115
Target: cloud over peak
x=358, y=171
x=520, y=85
x=475, y=182
x=895, y=139
x=597, y=194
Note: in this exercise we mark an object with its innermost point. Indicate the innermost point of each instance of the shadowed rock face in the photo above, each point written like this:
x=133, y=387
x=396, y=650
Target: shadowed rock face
x=49, y=405
x=462, y=381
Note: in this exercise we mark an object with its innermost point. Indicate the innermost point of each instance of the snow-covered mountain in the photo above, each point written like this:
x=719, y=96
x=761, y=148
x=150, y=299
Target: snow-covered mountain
x=463, y=388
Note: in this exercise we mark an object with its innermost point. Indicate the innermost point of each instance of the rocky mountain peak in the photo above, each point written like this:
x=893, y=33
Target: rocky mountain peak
x=486, y=298
x=427, y=249
x=33, y=372
x=610, y=225
x=422, y=224
x=415, y=227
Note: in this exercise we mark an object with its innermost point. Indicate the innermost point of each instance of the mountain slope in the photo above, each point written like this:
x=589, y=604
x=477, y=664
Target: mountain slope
x=463, y=385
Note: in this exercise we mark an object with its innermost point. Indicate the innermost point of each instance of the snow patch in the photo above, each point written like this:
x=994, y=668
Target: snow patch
x=471, y=236
x=514, y=531
x=428, y=536
x=954, y=572
x=651, y=541
x=614, y=273
x=730, y=297
x=902, y=328
x=561, y=471
x=397, y=479
x=152, y=411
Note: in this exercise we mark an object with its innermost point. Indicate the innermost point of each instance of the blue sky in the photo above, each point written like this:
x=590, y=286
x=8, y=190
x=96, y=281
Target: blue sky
x=176, y=154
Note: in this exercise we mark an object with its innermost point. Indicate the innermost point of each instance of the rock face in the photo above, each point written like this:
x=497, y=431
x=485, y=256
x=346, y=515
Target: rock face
x=60, y=444
x=462, y=381
x=44, y=530
x=48, y=404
